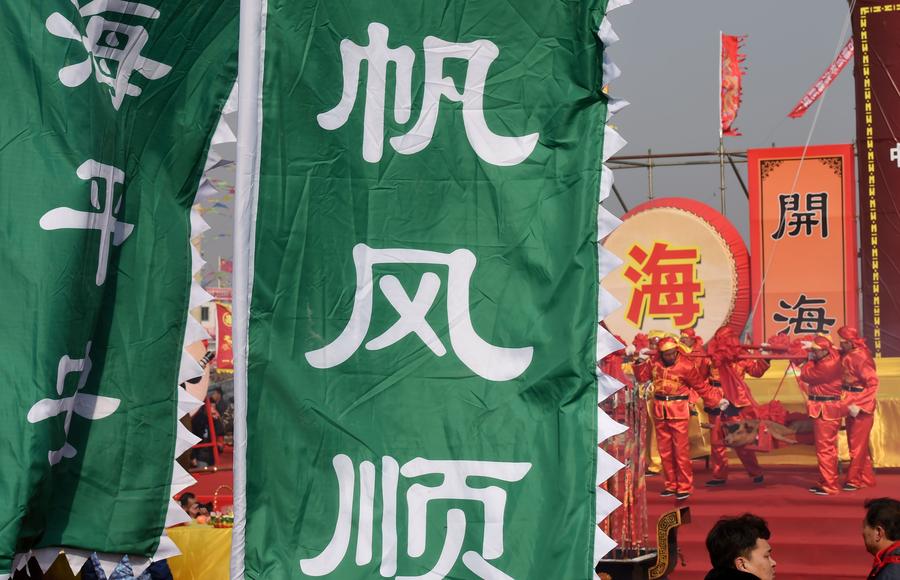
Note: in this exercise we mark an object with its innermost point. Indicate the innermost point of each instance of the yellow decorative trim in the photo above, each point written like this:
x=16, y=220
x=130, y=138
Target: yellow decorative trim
x=870, y=164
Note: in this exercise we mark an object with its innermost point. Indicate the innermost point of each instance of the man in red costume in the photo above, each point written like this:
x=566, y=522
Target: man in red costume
x=674, y=377
x=823, y=376
x=724, y=348
x=860, y=384
x=690, y=340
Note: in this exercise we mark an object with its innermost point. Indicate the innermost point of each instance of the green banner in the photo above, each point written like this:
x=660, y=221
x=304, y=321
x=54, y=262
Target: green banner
x=108, y=108
x=423, y=328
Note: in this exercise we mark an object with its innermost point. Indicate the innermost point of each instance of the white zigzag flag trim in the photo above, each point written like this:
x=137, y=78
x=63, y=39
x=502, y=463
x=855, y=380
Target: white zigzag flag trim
x=607, y=466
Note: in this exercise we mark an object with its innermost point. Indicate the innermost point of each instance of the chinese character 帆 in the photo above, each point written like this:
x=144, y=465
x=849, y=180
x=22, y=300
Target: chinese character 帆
x=493, y=148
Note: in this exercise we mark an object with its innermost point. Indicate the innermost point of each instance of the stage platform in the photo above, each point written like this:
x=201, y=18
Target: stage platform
x=814, y=537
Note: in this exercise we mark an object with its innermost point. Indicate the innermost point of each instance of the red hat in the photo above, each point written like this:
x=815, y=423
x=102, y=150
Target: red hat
x=689, y=332
x=821, y=342
x=667, y=343
x=848, y=332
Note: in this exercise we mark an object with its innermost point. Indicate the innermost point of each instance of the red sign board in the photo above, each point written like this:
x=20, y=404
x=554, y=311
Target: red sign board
x=802, y=240
x=224, y=347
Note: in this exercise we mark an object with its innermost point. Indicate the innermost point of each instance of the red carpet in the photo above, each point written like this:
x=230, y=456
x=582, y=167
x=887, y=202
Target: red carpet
x=813, y=537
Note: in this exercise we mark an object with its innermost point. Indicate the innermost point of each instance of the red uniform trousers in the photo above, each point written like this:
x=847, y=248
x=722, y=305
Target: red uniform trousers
x=718, y=451
x=826, y=433
x=861, y=473
x=675, y=454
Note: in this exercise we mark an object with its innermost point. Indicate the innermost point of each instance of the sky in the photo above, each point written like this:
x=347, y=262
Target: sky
x=668, y=54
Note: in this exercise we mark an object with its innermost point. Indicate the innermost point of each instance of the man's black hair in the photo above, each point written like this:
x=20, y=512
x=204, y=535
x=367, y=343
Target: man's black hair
x=733, y=537
x=884, y=512
x=185, y=498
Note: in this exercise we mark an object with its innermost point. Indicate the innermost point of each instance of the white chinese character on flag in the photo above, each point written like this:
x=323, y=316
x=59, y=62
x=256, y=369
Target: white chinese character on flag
x=493, y=363
x=454, y=486
x=493, y=148
x=91, y=407
x=112, y=231
x=114, y=49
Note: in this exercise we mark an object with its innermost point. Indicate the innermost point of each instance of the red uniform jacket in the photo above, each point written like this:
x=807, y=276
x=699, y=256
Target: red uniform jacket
x=859, y=373
x=740, y=392
x=678, y=380
x=824, y=378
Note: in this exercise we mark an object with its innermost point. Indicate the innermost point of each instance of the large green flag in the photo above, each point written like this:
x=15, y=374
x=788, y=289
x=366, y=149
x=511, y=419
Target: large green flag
x=425, y=281
x=108, y=109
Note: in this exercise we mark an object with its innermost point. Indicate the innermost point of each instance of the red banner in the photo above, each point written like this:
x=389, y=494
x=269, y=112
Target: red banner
x=877, y=70
x=731, y=75
x=821, y=85
x=225, y=265
x=802, y=240
x=224, y=350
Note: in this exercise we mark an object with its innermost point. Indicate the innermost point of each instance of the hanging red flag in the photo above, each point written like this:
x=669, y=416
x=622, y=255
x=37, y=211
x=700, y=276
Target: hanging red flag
x=224, y=352
x=731, y=73
x=821, y=85
x=225, y=265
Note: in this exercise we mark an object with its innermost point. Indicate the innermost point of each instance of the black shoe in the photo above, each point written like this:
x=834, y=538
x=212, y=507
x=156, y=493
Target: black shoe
x=681, y=496
x=813, y=488
x=715, y=483
x=850, y=487
x=649, y=473
x=818, y=491
x=758, y=479
x=667, y=493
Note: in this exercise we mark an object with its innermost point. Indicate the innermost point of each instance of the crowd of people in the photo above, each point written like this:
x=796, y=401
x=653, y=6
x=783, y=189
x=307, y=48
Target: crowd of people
x=679, y=373
x=739, y=547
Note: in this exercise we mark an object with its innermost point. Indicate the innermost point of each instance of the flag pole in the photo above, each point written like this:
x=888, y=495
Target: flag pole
x=721, y=135
x=250, y=43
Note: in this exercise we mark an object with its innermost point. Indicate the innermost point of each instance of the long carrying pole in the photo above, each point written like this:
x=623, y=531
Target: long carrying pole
x=249, y=103
x=721, y=135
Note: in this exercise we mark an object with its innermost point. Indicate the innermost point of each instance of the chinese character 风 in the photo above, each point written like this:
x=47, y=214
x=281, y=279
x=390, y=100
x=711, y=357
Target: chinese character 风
x=493, y=363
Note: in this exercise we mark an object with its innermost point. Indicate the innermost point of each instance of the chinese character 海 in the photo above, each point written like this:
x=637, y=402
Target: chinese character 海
x=114, y=49
x=454, y=486
x=493, y=363
x=806, y=316
x=493, y=148
x=802, y=222
x=664, y=285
